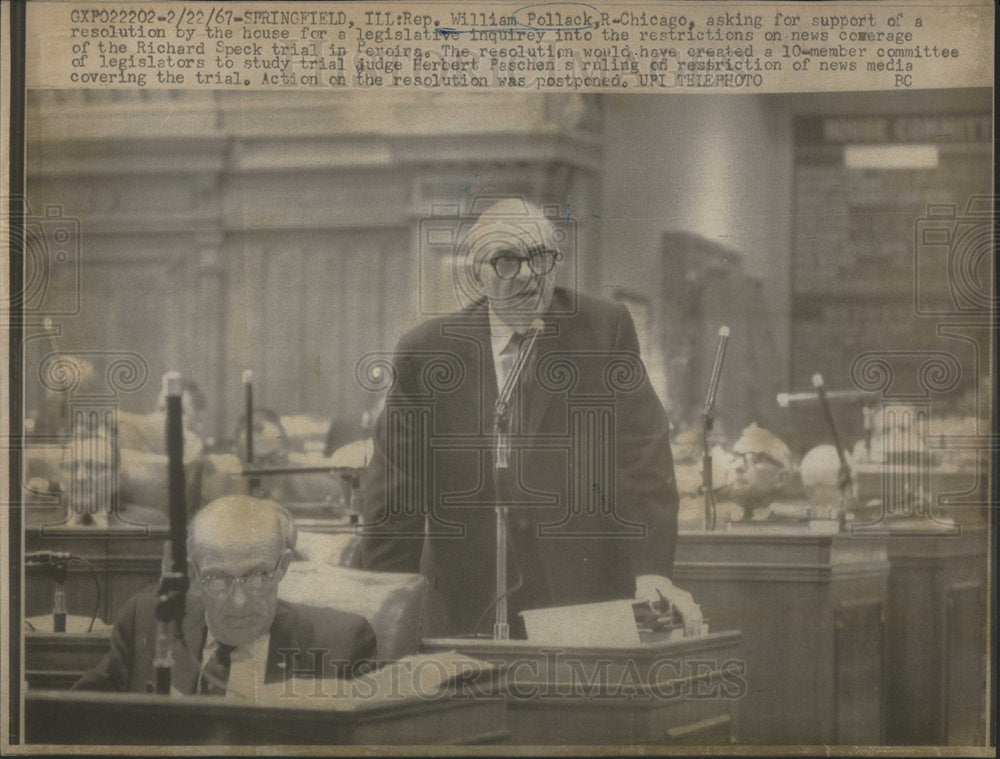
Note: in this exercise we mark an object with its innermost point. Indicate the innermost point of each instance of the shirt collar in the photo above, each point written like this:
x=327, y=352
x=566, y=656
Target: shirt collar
x=257, y=649
x=500, y=331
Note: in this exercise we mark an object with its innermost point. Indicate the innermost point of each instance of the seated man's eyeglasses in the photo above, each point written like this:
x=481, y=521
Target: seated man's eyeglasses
x=507, y=263
x=756, y=458
x=220, y=585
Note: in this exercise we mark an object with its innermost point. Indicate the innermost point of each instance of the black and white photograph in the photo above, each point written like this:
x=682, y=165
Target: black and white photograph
x=472, y=418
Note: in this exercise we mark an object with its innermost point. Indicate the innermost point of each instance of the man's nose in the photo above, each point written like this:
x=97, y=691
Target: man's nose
x=238, y=597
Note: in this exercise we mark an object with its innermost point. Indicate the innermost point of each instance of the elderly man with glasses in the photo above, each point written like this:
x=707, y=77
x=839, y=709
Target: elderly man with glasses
x=533, y=398
x=236, y=634
x=761, y=469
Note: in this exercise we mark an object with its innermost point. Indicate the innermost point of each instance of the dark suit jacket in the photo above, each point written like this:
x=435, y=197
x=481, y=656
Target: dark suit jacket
x=304, y=640
x=591, y=476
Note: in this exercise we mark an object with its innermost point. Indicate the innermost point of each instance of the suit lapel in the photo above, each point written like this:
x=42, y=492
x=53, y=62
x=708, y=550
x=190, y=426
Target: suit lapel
x=184, y=673
x=557, y=336
x=536, y=398
x=282, y=638
x=469, y=339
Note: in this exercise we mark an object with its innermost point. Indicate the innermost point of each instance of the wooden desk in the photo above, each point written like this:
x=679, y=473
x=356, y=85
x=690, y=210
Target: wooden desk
x=936, y=665
x=56, y=660
x=668, y=692
x=69, y=719
x=812, y=608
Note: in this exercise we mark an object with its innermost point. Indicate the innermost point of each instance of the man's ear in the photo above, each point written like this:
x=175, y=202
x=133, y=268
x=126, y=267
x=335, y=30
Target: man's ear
x=286, y=559
x=194, y=586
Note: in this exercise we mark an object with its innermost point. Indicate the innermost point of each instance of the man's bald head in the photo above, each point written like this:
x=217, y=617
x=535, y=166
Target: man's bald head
x=240, y=548
x=756, y=439
x=235, y=520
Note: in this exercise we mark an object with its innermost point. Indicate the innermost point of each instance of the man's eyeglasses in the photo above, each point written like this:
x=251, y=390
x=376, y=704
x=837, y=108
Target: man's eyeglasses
x=755, y=458
x=219, y=585
x=507, y=263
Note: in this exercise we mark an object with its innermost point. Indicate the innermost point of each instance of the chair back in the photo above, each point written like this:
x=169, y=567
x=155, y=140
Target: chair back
x=392, y=602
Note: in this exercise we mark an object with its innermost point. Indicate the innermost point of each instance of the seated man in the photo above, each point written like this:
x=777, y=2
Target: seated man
x=821, y=479
x=89, y=489
x=761, y=471
x=235, y=634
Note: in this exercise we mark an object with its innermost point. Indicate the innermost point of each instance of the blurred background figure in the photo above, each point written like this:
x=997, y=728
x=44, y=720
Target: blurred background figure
x=762, y=469
x=758, y=476
x=820, y=471
x=147, y=432
x=103, y=467
x=91, y=489
x=280, y=442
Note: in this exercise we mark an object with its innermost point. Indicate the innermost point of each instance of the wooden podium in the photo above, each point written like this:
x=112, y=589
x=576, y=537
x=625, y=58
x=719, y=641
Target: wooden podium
x=664, y=691
x=811, y=608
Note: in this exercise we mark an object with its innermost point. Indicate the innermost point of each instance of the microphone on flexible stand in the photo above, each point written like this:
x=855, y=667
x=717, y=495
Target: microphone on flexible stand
x=708, y=418
x=501, y=435
x=55, y=562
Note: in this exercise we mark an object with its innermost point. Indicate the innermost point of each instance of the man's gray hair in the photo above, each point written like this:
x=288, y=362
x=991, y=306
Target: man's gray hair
x=243, y=507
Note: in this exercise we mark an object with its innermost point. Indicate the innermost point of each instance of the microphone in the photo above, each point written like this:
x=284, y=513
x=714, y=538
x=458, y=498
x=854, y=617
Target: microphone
x=501, y=410
x=787, y=399
x=713, y=383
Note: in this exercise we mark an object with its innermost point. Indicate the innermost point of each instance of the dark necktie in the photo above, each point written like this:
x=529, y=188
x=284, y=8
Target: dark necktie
x=215, y=673
x=508, y=358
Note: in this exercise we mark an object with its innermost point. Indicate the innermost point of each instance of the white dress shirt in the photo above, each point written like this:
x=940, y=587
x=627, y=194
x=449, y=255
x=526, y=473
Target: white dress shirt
x=247, y=666
x=504, y=352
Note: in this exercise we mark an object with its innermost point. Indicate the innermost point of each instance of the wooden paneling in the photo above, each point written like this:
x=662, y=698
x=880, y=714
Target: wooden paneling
x=809, y=664
x=936, y=634
x=859, y=660
x=231, y=232
x=966, y=667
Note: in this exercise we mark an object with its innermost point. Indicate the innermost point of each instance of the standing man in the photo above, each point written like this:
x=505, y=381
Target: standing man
x=235, y=634
x=585, y=473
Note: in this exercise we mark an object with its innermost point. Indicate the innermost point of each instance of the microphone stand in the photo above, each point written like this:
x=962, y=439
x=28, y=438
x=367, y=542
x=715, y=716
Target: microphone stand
x=708, y=419
x=501, y=435
x=173, y=587
x=55, y=563
x=248, y=415
x=844, y=474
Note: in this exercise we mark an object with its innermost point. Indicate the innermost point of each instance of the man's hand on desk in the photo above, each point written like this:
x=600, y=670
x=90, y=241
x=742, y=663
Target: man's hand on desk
x=655, y=589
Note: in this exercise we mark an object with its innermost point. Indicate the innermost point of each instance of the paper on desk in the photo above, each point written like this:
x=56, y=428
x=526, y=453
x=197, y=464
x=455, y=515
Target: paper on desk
x=606, y=624
x=425, y=676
